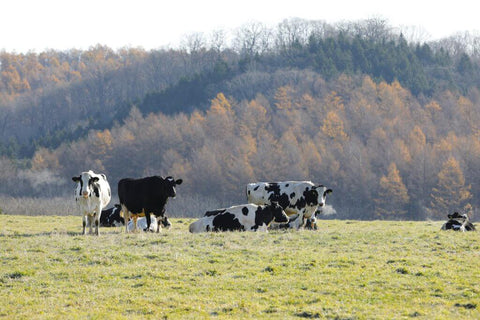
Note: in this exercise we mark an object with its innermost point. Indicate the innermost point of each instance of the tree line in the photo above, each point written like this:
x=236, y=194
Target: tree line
x=386, y=154
x=390, y=125
x=74, y=91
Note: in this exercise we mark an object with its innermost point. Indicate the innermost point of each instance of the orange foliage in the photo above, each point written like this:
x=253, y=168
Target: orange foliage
x=333, y=127
x=392, y=196
x=283, y=98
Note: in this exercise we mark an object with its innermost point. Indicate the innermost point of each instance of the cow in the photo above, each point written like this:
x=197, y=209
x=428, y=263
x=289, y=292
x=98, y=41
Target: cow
x=92, y=194
x=154, y=224
x=299, y=199
x=112, y=217
x=458, y=222
x=245, y=217
x=146, y=195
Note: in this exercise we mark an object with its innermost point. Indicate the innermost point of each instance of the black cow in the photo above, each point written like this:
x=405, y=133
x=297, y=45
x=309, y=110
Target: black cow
x=458, y=222
x=245, y=217
x=111, y=217
x=146, y=195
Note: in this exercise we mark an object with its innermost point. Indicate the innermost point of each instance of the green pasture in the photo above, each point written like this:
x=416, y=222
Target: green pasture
x=344, y=270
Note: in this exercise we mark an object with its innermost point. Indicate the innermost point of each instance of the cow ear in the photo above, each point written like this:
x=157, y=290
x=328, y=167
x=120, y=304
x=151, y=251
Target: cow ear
x=328, y=191
x=76, y=179
x=179, y=181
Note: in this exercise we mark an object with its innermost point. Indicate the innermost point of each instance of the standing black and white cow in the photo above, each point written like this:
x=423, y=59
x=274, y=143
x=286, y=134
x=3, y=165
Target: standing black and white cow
x=246, y=217
x=146, y=196
x=92, y=194
x=112, y=217
x=299, y=199
x=458, y=222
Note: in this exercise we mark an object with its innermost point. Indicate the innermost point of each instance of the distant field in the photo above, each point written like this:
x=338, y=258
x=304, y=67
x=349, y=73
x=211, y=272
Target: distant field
x=345, y=270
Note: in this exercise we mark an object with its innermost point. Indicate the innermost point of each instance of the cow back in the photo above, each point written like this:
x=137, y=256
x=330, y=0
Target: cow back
x=289, y=194
x=147, y=195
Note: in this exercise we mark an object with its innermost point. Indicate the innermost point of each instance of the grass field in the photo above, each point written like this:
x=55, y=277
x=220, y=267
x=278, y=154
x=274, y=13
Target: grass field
x=345, y=270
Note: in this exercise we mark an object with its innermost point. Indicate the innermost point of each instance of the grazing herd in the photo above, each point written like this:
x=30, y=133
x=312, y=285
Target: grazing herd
x=289, y=204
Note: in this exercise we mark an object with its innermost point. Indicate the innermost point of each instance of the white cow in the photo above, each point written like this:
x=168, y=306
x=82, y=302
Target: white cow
x=92, y=194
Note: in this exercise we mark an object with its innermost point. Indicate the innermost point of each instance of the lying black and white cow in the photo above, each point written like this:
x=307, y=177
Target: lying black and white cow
x=458, y=222
x=92, y=194
x=112, y=217
x=155, y=225
x=145, y=196
x=299, y=199
x=246, y=217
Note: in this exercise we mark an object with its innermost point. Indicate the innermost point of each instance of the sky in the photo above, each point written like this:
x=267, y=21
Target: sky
x=34, y=25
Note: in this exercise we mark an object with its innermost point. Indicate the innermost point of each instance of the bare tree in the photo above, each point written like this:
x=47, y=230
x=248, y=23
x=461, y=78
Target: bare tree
x=293, y=31
x=194, y=43
x=216, y=40
x=252, y=38
x=414, y=34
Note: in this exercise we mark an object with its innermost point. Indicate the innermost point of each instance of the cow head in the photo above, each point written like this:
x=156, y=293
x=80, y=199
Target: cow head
x=169, y=185
x=165, y=222
x=87, y=185
x=278, y=214
x=457, y=215
x=322, y=192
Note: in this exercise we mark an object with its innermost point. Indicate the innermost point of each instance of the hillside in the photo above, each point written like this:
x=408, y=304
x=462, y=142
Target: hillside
x=390, y=125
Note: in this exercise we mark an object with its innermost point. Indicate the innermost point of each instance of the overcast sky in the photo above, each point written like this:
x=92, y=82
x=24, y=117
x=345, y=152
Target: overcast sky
x=64, y=24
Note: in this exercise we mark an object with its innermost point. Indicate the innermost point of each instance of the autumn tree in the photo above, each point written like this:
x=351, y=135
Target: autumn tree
x=219, y=120
x=333, y=127
x=392, y=199
x=450, y=193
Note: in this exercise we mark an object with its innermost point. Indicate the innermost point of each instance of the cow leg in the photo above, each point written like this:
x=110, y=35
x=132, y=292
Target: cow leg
x=134, y=219
x=302, y=222
x=149, y=221
x=96, y=227
x=97, y=220
x=126, y=217
x=298, y=222
x=84, y=222
x=89, y=223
